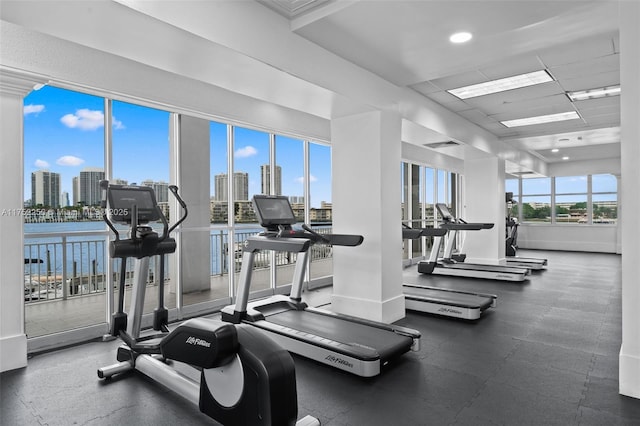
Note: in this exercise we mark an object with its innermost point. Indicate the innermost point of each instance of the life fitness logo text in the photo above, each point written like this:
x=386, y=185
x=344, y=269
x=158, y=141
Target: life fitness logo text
x=336, y=360
x=198, y=342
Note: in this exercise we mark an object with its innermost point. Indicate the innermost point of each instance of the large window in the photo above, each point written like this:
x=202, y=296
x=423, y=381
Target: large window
x=585, y=199
x=66, y=259
x=64, y=232
x=422, y=187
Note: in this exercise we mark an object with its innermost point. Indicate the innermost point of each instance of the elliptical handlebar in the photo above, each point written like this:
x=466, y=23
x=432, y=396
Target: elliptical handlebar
x=174, y=191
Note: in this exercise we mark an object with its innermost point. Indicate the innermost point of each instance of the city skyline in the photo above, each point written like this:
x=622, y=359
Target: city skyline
x=64, y=133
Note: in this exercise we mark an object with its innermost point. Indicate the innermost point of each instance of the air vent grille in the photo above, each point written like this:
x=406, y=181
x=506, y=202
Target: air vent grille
x=436, y=145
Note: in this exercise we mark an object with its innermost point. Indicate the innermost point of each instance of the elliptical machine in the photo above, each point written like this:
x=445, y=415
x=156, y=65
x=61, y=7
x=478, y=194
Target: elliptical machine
x=245, y=378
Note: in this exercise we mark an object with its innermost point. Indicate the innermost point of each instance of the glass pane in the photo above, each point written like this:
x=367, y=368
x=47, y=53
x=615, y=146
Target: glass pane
x=571, y=185
x=404, y=181
x=605, y=208
x=289, y=181
x=416, y=210
x=442, y=187
x=604, y=183
x=141, y=157
x=219, y=173
x=536, y=209
x=429, y=175
x=571, y=209
x=536, y=186
x=320, y=207
x=250, y=168
x=63, y=161
x=511, y=185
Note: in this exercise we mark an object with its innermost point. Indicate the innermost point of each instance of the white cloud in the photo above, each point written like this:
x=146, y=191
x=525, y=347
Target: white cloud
x=33, y=109
x=312, y=178
x=116, y=124
x=84, y=119
x=245, y=152
x=69, y=160
x=41, y=164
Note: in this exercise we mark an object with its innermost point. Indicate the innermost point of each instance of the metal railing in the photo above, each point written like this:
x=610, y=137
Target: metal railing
x=62, y=265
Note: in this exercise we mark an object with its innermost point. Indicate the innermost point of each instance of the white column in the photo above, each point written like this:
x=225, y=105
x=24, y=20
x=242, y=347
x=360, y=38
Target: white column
x=484, y=201
x=366, y=198
x=13, y=340
x=629, y=375
x=190, y=164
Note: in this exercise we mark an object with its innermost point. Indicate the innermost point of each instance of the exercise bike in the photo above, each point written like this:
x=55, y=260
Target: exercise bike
x=245, y=378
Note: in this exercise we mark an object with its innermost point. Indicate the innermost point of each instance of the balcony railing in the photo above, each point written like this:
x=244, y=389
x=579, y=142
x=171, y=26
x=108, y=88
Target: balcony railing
x=62, y=265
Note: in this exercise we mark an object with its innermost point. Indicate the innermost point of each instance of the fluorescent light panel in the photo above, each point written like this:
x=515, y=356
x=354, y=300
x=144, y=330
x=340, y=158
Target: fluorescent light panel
x=541, y=119
x=501, y=85
x=594, y=93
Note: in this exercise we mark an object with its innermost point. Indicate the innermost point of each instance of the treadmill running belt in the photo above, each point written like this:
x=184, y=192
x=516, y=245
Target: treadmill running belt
x=386, y=343
x=462, y=300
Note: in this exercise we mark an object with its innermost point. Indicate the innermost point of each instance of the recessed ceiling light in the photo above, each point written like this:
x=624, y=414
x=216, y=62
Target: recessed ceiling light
x=461, y=37
x=555, y=150
x=594, y=93
x=570, y=115
x=502, y=84
x=563, y=140
x=565, y=158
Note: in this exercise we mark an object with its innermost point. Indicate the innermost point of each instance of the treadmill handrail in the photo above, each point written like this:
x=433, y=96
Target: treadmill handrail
x=265, y=242
x=466, y=226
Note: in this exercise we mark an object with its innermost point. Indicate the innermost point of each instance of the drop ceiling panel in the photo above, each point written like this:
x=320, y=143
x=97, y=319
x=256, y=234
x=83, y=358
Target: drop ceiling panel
x=581, y=50
x=530, y=107
x=514, y=66
x=593, y=66
x=591, y=81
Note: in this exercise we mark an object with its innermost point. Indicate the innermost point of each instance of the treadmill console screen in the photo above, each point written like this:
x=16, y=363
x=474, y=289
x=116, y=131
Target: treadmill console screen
x=122, y=198
x=273, y=210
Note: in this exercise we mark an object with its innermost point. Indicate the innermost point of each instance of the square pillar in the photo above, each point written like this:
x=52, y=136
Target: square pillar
x=366, y=198
x=190, y=147
x=629, y=374
x=484, y=201
x=14, y=87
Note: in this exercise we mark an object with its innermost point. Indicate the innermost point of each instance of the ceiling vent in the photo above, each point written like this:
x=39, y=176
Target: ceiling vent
x=436, y=145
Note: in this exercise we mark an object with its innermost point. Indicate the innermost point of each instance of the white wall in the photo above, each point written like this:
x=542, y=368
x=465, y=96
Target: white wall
x=589, y=238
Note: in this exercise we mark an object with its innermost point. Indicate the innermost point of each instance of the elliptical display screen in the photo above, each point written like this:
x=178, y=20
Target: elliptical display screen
x=123, y=198
x=273, y=210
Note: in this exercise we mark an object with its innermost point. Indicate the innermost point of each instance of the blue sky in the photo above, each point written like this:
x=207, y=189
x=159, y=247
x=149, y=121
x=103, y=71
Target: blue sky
x=64, y=133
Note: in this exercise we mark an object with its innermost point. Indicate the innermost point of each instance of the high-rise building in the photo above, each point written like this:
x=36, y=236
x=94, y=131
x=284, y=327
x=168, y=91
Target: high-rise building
x=75, y=190
x=45, y=189
x=240, y=186
x=296, y=199
x=89, y=186
x=160, y=188
x=265, y=173
x=65, y=199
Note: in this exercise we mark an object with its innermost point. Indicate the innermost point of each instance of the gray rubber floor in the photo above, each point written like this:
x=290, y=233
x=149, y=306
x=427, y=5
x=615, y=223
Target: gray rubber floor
x=546, y=355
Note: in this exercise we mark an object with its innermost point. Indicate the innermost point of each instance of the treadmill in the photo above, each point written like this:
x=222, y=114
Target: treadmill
x=448, y=266
x=443, y=301
x=359, y=346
